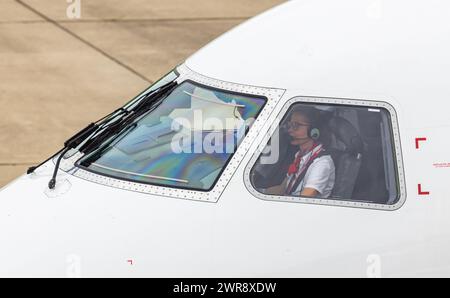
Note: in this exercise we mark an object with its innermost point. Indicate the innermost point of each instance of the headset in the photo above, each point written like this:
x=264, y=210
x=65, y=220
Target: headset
x=314, y=131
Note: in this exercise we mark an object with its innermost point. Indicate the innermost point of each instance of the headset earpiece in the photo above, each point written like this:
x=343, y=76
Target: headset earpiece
x=314, y=133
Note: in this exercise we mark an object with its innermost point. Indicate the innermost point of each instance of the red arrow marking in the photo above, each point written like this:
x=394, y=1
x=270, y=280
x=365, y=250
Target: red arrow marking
x=130, y=261
x=418, y=140
x=422, y=193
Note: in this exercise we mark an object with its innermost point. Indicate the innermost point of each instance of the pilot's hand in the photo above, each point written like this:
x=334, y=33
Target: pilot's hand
x=310, y=193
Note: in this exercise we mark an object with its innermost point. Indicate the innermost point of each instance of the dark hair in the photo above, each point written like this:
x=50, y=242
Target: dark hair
x=312, y=114
x=315, y=119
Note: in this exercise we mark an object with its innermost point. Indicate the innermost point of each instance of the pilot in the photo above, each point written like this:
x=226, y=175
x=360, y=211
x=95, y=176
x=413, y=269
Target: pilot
x=312, y=173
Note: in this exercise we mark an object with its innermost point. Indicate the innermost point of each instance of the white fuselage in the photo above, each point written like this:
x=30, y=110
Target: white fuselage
x=394, y=52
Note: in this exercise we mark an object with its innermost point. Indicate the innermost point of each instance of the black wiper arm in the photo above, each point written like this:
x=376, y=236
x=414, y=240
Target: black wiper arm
x=72, y=143
x=127, y=118
x=97, y=133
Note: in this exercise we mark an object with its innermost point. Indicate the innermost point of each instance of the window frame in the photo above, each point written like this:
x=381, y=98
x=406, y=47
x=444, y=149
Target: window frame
x=397, y=154
x=196, y=84
x=273, y=96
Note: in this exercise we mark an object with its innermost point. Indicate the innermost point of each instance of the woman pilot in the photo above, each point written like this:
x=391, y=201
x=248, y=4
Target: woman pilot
x=312, y=173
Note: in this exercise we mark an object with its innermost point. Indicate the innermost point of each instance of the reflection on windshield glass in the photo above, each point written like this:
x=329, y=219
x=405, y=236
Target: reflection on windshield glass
x=185, y=142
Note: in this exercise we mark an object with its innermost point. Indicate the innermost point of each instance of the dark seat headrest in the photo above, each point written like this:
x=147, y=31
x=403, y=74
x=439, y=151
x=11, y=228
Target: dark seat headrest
x=347, y=134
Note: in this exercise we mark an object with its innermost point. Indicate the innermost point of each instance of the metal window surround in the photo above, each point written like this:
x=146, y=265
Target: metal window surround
x=185, y=74
x=331, y=202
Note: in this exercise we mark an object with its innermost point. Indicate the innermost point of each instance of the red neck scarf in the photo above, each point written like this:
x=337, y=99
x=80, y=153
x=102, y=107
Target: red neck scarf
x=294, y=167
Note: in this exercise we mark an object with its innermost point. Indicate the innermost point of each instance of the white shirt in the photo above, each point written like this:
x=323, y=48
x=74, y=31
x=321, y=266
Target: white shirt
x=319, y=176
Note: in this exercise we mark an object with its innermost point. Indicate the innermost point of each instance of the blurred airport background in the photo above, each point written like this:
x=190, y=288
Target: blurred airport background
x=62, y=68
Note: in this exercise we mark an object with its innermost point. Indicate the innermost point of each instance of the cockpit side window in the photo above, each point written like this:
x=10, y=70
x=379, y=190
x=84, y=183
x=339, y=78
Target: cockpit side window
x=184, y=142
x=329, y=152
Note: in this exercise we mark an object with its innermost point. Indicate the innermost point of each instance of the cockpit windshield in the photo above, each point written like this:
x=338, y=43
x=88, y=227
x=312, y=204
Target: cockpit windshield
x=185, y=142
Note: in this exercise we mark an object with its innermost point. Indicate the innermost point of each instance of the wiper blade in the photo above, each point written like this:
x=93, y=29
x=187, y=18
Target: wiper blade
x=97, y=133
x=125, y=119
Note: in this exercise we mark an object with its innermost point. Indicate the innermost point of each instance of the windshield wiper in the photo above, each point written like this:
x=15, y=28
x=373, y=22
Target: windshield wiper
x=95, y=134
x=127, y=118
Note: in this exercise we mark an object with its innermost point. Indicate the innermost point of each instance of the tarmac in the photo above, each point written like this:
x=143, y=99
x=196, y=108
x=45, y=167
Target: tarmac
x=64, y=65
